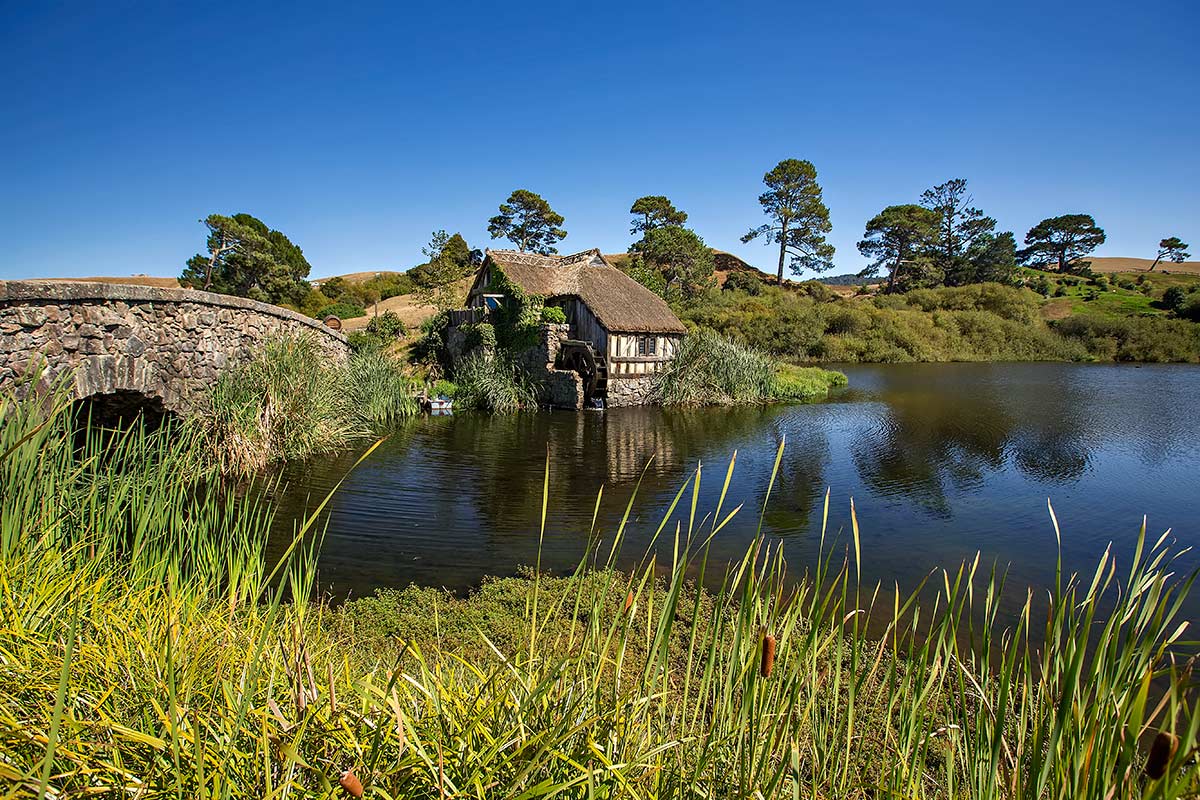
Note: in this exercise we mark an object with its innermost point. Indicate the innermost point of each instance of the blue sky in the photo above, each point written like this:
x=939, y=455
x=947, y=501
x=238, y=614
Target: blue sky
x=358, y=130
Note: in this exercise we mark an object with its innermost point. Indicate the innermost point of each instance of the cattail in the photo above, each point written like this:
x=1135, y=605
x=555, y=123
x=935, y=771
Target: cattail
x=768, y=655
x=629, y=601
x=1161, y=752
x=351, y=784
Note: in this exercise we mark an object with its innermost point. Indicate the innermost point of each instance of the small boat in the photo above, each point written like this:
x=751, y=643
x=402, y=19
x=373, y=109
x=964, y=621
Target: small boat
x=439, y=406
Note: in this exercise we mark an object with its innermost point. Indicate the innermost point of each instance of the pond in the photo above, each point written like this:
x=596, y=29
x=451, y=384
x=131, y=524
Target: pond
x=942, y=460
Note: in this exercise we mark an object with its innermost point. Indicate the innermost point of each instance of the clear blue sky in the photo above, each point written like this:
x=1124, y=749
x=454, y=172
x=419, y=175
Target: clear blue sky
x=358, y=131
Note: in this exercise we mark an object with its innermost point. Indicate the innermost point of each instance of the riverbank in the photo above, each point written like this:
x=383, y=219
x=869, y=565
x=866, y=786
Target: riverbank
x=150, y=646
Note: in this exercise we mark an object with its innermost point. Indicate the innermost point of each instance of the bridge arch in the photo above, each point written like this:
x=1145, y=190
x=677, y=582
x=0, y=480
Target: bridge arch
x=120, y=340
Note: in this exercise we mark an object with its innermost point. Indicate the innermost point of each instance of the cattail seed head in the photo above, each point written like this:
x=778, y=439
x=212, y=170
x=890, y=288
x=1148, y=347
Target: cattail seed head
x=1161, y=752
x=768, y=655
x=350, y=782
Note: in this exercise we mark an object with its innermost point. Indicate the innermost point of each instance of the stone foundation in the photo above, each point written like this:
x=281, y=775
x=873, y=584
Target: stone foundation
x=637, y=391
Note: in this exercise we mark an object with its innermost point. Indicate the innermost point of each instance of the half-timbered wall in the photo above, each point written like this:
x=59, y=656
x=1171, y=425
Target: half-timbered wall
x=624, y=358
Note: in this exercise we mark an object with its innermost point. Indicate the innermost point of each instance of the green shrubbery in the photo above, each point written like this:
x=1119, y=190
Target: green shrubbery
x=977, y=322
x=554, y=315
x=341, y=310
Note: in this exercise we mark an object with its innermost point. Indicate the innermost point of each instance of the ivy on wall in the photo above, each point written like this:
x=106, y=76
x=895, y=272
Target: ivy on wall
x=519, y=320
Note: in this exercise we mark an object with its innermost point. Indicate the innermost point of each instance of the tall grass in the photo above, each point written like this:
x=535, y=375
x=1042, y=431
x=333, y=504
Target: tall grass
x=291, y=402
x=146, y=651
x=712, y=369
x=493, y=383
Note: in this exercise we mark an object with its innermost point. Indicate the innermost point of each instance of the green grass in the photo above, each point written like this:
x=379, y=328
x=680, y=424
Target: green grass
x=290, y=401
x=805, y=383
x=147, y=648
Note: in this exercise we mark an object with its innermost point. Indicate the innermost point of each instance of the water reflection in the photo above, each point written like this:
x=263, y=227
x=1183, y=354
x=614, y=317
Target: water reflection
x=942, y=460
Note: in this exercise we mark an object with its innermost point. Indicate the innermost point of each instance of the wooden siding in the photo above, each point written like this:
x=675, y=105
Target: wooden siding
x=623, y=358
x=584, y=325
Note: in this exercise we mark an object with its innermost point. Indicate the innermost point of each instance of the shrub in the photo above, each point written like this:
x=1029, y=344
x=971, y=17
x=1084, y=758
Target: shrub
x=554, y=315
x=480, y=334
x=1191, y=309
x=342, y=310
x=1173, y=298
x=818, y=291
x=444, y=388
x=1133, y=338
x=1041, y=285
x=1100, y=282
x=743, y=281
x=387, y=326
x=493, y=383
x=364, y=341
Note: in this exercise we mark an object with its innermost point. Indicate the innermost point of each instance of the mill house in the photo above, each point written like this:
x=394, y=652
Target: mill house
x=620, y=333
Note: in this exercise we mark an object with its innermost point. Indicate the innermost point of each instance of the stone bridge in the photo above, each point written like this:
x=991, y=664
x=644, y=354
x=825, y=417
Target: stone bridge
x=138, y=345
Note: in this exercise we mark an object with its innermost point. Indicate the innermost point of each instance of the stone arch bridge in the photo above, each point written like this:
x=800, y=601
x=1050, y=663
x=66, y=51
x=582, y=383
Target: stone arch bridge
x=147, y=345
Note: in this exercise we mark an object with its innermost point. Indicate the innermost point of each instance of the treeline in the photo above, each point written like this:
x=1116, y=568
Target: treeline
x=943, y=239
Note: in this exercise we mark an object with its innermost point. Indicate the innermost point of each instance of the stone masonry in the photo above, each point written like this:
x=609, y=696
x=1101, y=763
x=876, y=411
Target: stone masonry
x=168, y=344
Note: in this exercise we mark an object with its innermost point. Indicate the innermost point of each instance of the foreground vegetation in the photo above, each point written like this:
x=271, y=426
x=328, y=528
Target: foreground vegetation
x=148, y=649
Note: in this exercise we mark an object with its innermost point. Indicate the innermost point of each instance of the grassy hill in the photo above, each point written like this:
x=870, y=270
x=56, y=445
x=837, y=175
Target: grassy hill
x=1117, y=265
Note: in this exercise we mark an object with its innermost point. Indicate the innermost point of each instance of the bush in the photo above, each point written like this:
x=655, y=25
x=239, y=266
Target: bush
x=341, y=310
x=493, y=383
x=818, y=291
x=554, y=315
x=1147, y=339
x=445, y=388
x=711, y=369
x=1173, y=298
x=1100, y=282
x=1041, y=285
x=743, y=281
x=388, y=326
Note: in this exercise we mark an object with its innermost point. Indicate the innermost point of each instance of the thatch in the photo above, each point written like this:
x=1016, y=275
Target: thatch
x=620, y=303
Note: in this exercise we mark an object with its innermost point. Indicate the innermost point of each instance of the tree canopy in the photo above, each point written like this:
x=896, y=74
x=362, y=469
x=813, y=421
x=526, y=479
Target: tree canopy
x=248, y=259
x=529, y=222
x=799, y=218
x=1062, y=242
x=450, y=260
x=967, y=249
x=679, y=254
x=900, y=239
x=654, y=211
x=1172, y=249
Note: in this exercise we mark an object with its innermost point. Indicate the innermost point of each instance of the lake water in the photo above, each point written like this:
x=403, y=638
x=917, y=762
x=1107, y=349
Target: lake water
x=942, y=460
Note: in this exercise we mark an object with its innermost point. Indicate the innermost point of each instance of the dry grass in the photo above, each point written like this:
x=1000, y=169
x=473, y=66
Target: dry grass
x=132, y=280
x=1115, y=264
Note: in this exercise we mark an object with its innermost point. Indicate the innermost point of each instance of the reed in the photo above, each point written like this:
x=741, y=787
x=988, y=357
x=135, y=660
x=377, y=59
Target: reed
x=149, y=649
x=291, y=402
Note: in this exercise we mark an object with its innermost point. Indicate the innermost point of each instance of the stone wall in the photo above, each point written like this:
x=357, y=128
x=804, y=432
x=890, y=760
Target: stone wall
x=637, y=391
x=169, y=344
x=560, y=388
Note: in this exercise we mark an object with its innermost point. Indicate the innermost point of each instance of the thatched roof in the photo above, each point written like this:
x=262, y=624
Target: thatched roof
x=619, y=302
